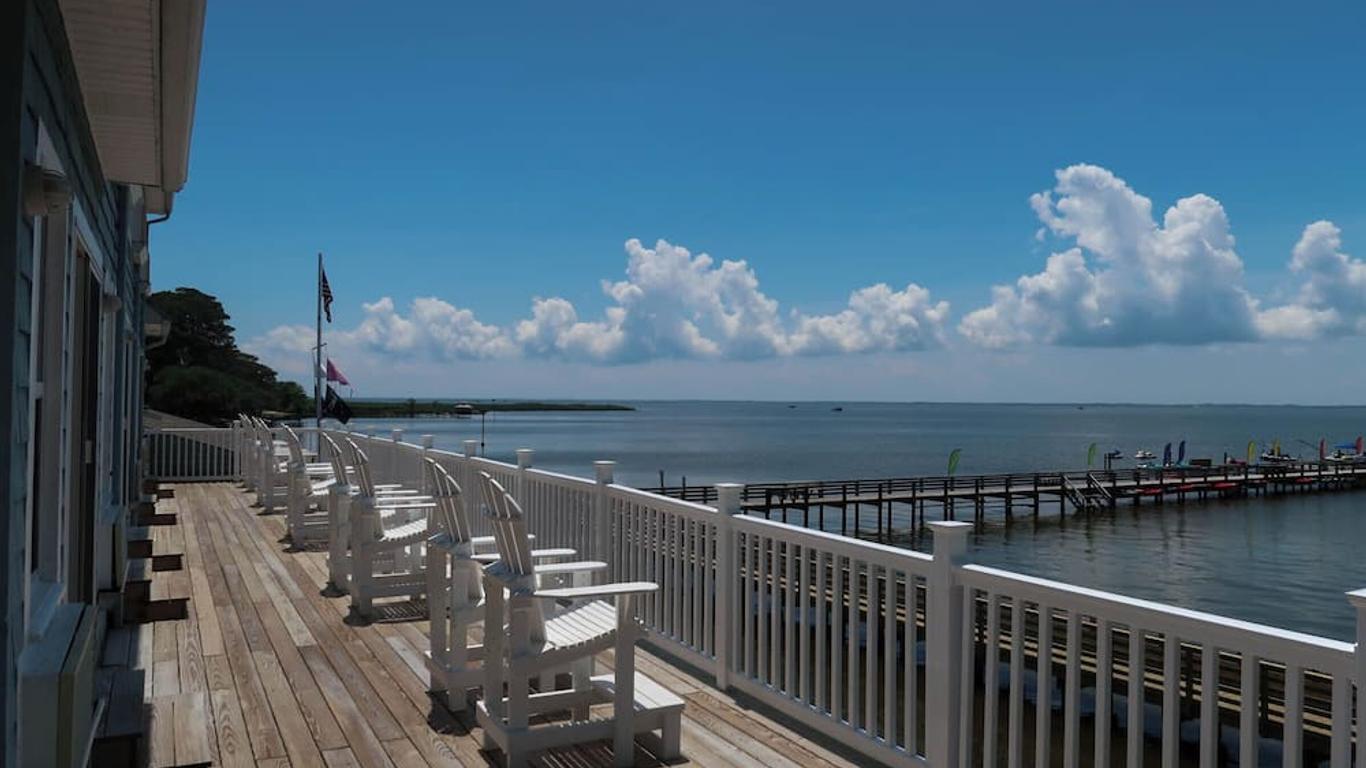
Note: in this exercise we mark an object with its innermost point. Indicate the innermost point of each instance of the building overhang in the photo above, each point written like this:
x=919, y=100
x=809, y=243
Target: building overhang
x=137, y=62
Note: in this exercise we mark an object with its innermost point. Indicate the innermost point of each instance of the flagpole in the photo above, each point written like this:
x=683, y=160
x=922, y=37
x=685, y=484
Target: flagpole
x=318, y=353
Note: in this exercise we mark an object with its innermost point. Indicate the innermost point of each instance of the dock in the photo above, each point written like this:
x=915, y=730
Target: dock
x=885, y=509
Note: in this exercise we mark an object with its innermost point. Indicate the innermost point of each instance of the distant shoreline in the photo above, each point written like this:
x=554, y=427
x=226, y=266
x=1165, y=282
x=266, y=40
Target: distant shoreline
x=389, y=409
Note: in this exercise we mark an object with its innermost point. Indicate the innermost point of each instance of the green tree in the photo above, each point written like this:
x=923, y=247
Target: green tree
x=199, y=373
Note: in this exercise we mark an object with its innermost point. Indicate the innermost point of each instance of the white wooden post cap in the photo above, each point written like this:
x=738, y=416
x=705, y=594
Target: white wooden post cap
x=397, y=435
x=603, y=471
x=1358, y=598
x=427, y=441
x=471, y=446
x=524, y=456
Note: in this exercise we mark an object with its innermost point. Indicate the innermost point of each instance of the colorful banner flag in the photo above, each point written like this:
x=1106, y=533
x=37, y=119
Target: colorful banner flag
x=333, y=374
x=1181, y=453
x=1091, y=455
x=1323, y=448
x=1252, y=451
x=953, y=460
x=1167, y=455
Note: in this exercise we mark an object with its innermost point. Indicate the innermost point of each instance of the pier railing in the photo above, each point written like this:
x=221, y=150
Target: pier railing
x=918, y=659
x=798, y=493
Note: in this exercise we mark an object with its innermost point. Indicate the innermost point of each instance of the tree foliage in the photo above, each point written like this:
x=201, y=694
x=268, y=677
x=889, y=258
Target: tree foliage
x=200, y=374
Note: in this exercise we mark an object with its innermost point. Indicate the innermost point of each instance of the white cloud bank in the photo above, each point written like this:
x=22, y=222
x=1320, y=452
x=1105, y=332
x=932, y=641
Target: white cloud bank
x=1123, y=279
x=1129, y=279
x=671, y=305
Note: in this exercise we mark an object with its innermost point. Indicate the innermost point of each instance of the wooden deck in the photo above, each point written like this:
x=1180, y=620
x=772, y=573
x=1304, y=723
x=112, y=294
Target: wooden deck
x=277, y=677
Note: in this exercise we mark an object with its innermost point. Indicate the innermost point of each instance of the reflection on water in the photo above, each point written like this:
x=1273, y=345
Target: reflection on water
x=1283, y=561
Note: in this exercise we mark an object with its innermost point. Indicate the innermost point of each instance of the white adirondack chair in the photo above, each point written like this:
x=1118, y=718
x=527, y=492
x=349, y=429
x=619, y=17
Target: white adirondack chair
x=383, y=531
x=309, y=488
x=455, y=591
x=339, y=496
x=273, y=459
x=534, y=643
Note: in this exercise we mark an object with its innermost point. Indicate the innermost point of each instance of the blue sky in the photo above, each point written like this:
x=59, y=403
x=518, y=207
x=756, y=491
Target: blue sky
x=488, y=155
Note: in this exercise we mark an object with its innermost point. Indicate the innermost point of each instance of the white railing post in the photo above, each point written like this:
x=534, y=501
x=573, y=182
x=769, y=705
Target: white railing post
x=944, y=644
x=727, y=506
x=525, y=457
x=395, y=465
x=602, y=510
x=472, y=491
x=427, y=441
x=1358, y=600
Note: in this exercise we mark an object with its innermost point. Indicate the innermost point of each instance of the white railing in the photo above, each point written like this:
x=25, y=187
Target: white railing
x=918, y=659
x=192, y=454
x=1165, y=658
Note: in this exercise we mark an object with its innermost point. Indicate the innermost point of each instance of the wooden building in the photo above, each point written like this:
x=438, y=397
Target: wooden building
x=96, y=106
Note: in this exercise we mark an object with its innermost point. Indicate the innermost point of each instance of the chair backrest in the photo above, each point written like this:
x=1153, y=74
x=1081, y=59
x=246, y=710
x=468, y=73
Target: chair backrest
x=450, y=507
x=335, y=456
x=509, y=528
x=360, y=463
x=296, y=450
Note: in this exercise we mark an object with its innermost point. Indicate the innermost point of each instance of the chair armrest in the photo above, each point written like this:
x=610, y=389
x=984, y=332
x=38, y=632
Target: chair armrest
x=554, y=552
x=602, y=590
x=556, y=569
x=386, y=504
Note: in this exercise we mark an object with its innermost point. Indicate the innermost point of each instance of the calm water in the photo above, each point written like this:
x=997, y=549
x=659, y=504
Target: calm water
x=1282, y=561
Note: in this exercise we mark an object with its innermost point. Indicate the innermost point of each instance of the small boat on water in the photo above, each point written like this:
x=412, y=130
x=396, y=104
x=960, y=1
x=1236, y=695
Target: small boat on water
x=1347, y=453
x=1269, y=457
x=1144, y=455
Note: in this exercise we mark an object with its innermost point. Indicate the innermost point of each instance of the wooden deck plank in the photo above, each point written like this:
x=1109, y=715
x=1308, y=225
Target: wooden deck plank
x=192, y=727
x=234, y=745
x=294, y=682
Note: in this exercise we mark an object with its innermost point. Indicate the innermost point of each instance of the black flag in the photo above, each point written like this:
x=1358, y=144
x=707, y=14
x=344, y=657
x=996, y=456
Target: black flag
x=335, y=407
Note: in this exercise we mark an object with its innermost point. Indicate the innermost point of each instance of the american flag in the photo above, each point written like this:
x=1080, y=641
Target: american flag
x=327, y=295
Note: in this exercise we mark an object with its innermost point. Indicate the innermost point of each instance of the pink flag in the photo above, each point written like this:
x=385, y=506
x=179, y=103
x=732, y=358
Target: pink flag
x=335, y=375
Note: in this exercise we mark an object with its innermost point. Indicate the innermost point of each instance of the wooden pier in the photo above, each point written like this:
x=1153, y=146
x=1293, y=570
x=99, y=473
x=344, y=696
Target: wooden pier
x=885, y=508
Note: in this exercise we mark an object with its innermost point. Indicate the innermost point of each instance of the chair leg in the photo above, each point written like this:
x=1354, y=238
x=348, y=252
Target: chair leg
x=623, y=704
x=581, y=671
x=670, y=748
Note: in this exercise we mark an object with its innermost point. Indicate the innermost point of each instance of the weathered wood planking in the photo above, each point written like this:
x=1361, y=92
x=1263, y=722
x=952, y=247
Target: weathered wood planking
x=280, y=678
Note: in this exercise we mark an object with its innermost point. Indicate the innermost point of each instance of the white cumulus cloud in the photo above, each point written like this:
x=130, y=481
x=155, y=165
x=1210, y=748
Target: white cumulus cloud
x=671, y=304
x=1128, y=279
x=1331, y=300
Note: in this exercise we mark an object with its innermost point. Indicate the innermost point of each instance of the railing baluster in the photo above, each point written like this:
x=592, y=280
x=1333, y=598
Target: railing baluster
x=991, y=682
x=1015, y=726
x=912, y=669
x=837, y=596
x=1133, y=734
x=764, y=672
x=1250, y=697
x=789, y=626
x=1292, y=739
x=1105, y=672
x=1209, y=706
x=821, y=668
x=870, y=677
x=750, y=584
x=967, y=740
x=1071, y=748
x=803, y=622
x=852, y=706
x=1171, y=703
x=1341, y=749
x=1043, y=688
